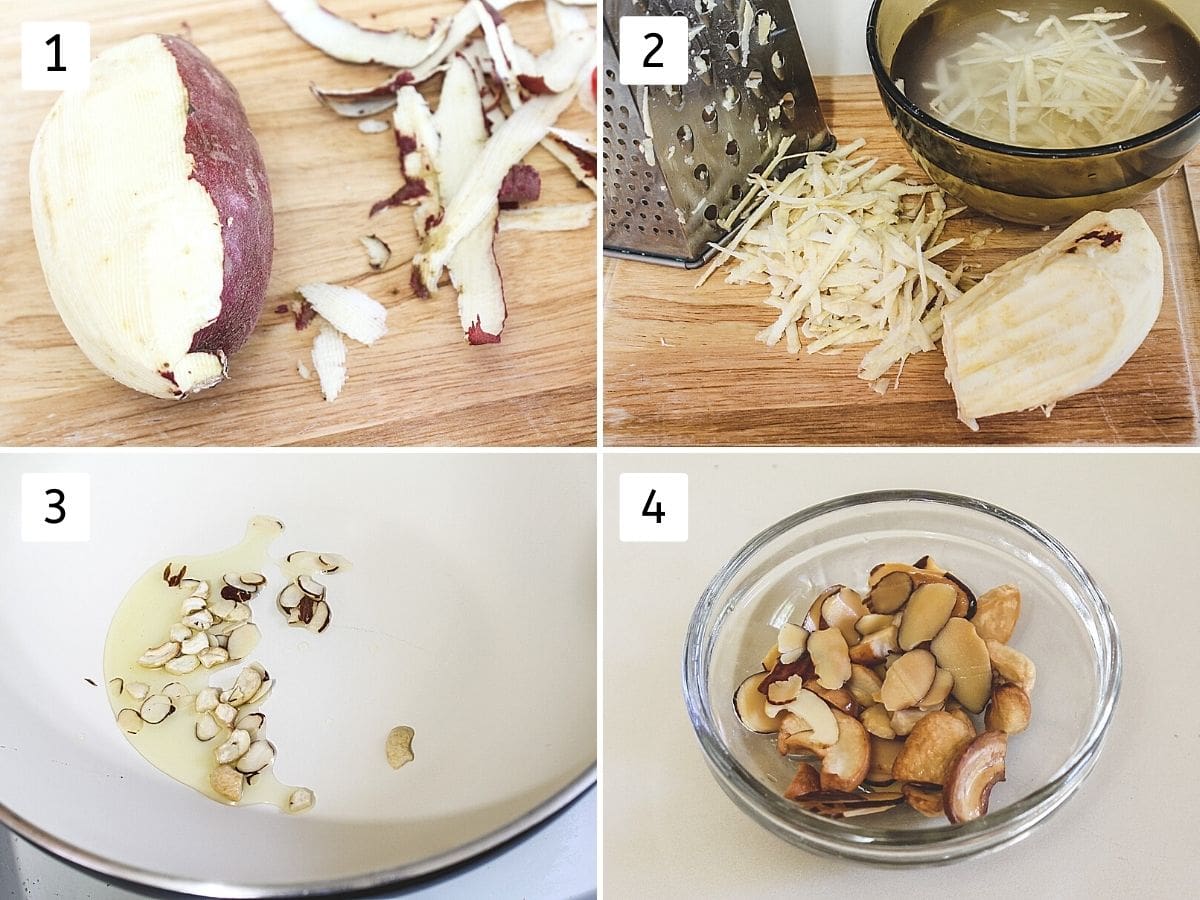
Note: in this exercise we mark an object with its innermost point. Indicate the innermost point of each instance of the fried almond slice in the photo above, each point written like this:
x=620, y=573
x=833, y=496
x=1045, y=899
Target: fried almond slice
x=751, y=706
x=962, y=652
x=845, y=804
x=877, y=721
x=924, y=798
x=883, y=757
x=805, y=781
x=830, y=656
x=863, y=685
x=846, y=763
x=931, y=748
x=842, y=611
x=816, y=715
x=1012, y=666
x=943, y=683
x=927, y=610
x=1009, y=710
x=875, y=647
x=1057, y=321
x=908, y=680
x=997, y=612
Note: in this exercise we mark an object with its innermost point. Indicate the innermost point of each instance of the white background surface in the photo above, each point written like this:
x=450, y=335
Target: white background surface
x=1131, y=518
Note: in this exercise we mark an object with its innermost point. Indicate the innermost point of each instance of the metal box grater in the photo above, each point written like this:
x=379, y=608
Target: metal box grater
x=750, y=87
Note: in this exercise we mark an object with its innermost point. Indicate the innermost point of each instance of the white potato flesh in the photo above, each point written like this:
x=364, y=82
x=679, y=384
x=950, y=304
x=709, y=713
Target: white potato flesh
x=129, y=242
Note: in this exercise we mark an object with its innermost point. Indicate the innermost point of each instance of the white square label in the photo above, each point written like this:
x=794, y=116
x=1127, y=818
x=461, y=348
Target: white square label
x=55, y=56
x=56, y=506
x=654, y=507
x=654, y=49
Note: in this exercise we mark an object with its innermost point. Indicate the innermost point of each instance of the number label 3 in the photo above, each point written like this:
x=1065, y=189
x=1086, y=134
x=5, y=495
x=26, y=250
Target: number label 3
x=55, y=507
x=653, y=507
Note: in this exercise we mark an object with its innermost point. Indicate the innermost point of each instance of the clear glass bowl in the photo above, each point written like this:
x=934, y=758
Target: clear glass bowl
x=1065, y=627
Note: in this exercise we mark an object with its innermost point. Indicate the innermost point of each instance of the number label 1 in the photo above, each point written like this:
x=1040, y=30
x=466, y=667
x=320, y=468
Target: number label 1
x=55, y=56
x=653, y=507
x=654, y=50
x=56, y=507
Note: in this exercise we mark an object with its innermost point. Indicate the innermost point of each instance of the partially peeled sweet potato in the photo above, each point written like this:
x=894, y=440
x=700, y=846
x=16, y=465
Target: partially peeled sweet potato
x=152, y=215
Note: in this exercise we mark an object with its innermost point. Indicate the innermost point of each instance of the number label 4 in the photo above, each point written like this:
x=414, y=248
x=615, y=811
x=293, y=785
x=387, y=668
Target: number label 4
x=653, y=506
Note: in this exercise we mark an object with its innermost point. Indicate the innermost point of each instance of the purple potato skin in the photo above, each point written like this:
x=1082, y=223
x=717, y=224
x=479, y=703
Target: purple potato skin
x=229, y=166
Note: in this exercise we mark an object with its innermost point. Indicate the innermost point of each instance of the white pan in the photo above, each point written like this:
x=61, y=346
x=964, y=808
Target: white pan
x=469, y=615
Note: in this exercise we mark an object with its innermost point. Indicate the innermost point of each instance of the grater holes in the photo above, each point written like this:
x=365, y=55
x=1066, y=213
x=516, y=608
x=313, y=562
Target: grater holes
x=708, y=116
x=700, y=173
x=776, y=66
x=686, y=140
x=736, y=192
x=732, y=99
x=733, y=46
x=711, y=212
x=733, y=153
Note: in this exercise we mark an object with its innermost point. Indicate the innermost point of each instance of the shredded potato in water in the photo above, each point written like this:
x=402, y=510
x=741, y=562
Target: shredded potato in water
x=847, y=250
x=1055, y=84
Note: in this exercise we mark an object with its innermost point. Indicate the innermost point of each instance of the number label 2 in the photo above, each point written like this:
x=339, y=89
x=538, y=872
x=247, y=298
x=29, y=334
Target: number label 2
x=653, y=50
x=657, y=39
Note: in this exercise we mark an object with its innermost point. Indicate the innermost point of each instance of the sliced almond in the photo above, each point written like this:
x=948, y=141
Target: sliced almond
x=784, y=692
x=890, y=592
x=962, y=652
x=222, y=607
x=883, y=757
x=129, y=721
x=138, y=690
x=243, y=640
x=971, y=779
x=924, y=798
x=872, y=622
x=816, y=716
x=1012, y=666
x=905, y=720
x=791, y=643
x=1009, y=710
x=943, y=683
x=875, y=647
x=831, y=657
x=116, y=686
x=251, y=723
x=842, y=611
x=206, y=727
x=814, y=619
x=926, y=564
x=258, y=757
x=156, y=708
x=311, y=586
x=234, y=747
x=321, y=617
x=931, y=748
x=182, y=665
x=840, y=699
x=290, y=597
x=751, y=706
x=805, y=781
x=996, y=613
x=877, y=721
x=846, y=763
x=928, y=609
x=772, y=658
x=863, y=685
x=908, y=680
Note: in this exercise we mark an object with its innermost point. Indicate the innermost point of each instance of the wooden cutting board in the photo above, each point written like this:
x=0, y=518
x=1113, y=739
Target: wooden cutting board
x=421, y=384
x=682, y=366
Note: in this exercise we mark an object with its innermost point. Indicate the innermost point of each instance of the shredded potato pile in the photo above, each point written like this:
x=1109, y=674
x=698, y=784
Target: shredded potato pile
x=1056, y=84
x=847, y=250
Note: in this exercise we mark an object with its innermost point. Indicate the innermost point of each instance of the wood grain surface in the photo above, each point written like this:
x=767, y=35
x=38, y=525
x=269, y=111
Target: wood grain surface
x=682, y=366
x=421, y=384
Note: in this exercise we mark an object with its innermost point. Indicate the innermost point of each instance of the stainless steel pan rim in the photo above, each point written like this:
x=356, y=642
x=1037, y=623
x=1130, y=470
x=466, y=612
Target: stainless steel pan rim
x=380, y=879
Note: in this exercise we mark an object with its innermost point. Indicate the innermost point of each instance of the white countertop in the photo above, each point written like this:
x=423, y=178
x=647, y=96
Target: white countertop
x=553, y=862
x=1131, y=518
